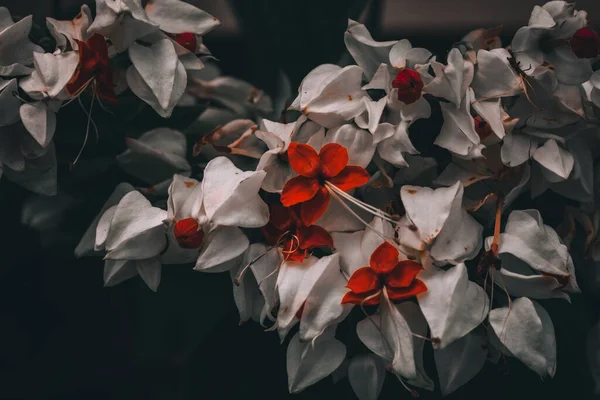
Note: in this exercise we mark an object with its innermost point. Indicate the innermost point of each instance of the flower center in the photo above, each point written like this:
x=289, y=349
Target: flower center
x=409, y=84
x=188, y=234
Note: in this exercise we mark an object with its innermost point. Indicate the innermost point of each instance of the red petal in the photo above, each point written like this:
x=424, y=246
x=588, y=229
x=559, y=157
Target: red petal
x=299, y=189
x=297, y=255
x=384, y=258
x=188, y=234
x=314, y=236
x=364, y=280
x=351, y=177
x=409, y=84
x=333, y=159
x=312, y=210
x=303, y=159
x=98, y=45
x=187, y=40
x=585, y=43
x=353, y=298
x=280, y=216
x=403, y=274
x=271, y=234
x=404, y=293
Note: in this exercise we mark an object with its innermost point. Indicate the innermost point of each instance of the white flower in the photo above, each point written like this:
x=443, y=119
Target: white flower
x=16, y=50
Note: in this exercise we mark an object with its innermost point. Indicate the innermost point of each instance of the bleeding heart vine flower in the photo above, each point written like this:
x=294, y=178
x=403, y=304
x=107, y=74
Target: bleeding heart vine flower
x=319, y=175
x=286, y=230
x=385, y=272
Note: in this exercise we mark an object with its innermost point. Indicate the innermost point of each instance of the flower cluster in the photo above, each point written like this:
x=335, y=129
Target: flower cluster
x=327, y=209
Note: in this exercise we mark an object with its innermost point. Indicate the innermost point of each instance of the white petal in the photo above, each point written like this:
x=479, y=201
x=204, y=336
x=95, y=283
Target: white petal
x=458, y=132
x=366, y=374
x=491, y=112
x=358, y=142
x=71, y=30
x=453, y=306
x=86, y=244
x=136, y=230
x=117, y=271
x=349, y=249
x=392, y=147
x=55, y=71
x=221, y=245
x=494, y=77
x=428, y=209
x=308, y=363
x=517, y=149
x=39, y=174
x=555, y=159
x=398, y=54
x=9, y=103
x=103, y=226
x=231, y=195
x=323, y=306
x=295, y=282
x=459, y=362
x=367, y=53
x=39, y=121
x=569, y=69
x=15, y=47
x=150, y=271
x=175, y=16
x=161, y=70
x=526, y=330
x=185, y=197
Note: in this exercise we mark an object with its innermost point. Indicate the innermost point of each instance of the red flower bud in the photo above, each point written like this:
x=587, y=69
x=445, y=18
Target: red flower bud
x=409, y=85
x=187, y=40
x=188, y=234
x=585, y=43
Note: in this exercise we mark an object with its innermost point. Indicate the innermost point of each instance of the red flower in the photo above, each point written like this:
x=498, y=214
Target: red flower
x=482, y=128
x=384, y=271
x=188, y=234
x=308, y=189
x=187, y=40
x=287, y=229
x=93, y=65
x=409, y=85
x=585, y=43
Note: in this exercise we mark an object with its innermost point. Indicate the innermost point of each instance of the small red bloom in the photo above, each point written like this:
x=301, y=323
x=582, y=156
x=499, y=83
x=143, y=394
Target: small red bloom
x=384, y=271
x=93, y=65
x=187, y=40
x=585, y=43
x=482, y=128
x=286, y=229
x=409, y=85
x=308, y=189
x=188, y=234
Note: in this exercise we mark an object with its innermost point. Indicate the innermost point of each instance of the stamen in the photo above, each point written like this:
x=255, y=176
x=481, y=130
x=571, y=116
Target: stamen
x=382, y=236
x=497, y=225
x=87, y=129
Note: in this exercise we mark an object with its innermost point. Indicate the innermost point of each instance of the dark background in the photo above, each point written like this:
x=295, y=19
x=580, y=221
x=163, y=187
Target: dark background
x=64, y=336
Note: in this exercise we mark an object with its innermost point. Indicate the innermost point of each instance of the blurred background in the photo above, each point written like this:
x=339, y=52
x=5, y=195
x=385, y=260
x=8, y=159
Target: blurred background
x=63, y=336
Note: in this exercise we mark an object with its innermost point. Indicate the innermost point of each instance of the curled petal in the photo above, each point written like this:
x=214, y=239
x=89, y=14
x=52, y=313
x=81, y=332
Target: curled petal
x=333, y=159
x=384, y=258
x=403, y=274
x=350, y=178
x=363, y=281
x=414, y=289
x=298, y=190
x=303, y=159
x=312, y=210
x=314, y=236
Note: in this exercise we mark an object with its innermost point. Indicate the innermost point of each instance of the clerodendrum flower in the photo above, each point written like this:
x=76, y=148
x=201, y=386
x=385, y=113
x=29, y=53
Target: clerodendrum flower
x=93, y=66
x=385, y=272
x=316, y=171
x=285, y=228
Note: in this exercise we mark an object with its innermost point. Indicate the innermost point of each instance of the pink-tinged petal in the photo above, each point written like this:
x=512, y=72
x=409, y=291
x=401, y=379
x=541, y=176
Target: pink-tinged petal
x=303, y=159
x=384, y=258
x=312, y=210
x=350, y=178
x=314, y=236
x=415, y=288
x=299, y=189
x=334, y=159
x=365, y=280
x=403, y=274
